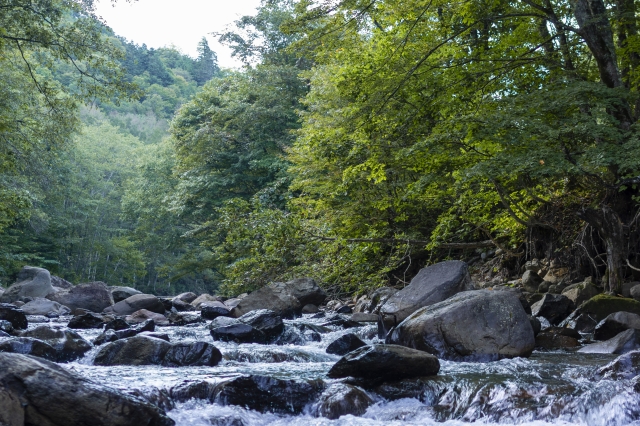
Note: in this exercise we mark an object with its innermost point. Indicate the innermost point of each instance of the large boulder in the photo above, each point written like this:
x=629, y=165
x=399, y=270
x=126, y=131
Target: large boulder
x=265, y=321
x=14, y=315
x=553, y=307
x=46, y=307
x=31, y=282
x=37, y=392
x=267, y=394
x=476, y=325
x=187, y=297
x=341, y=399
x=602, y=305
x=60, y=283
x=135, y=303
x=531, y=281
x=233, y=330
x=192, y=353
x=137, y=350
x=385, y=363
x=198, y=301
x=622, y=343
x=307, y=291
x=68, y=344
x=581, y=292
x=94, y=297
x=121, y=293
x=616, y=323
x=213, y=310
x=275, y=297
x=433, y=284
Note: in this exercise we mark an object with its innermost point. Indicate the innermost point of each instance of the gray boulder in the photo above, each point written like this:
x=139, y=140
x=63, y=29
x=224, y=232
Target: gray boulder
x=275, y=297
x=307, y=291
x=60, y=283
x=46, y=307
x=14, y=315
x=232, y=330
x=344, y=344
x=581, y=292
x=635, y=292
x=28, y=346
x=433, y=284
x=385, y=363
x=143, y=315
x=622, y=343
x=88, y=320
x=94, y=297
x=31, y=282
x=214, y=309
x=121, y=293
x=479, y=325
x=192, y=353
x=137, y=350
x=187, y=297
x=265, y=321
x=197, y=302
x=68, y=344
x=135, y=303
x=38, y=392
x=341, y=399
x=616, y=323
x=553, y=307
x=531, y=281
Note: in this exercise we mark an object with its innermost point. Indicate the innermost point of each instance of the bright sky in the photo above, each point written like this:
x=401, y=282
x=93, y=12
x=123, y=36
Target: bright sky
x=159, y=23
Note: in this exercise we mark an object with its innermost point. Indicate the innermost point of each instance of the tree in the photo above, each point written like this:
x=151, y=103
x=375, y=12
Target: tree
x=491, y=110
x=206, y=65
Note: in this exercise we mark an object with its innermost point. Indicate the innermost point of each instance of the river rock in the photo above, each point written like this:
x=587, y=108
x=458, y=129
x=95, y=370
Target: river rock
x=635, y=292
x=267, y=394
x=28, y=346
x=214, y=309
x=558, y=338
x=121, y=293
x=232, y=330
x=282, y=298
x=581, y=292
x=135, y=303
x=265, y=321
x=143, y=315
x=553, y=307
x=473, y=325
x=341, y=399
x=31, y=282
x=433, y=284
x=616, y=323
x=37, y=392
x=88, y=320
x=232, y=303
x=385, y=363
x=46, y=307
x=184, y=318
x=105, y=337
x=196, y=303
x=364, y=317
x=378, y=298
x=307, y=291
x=135, y=329
x=117, y=324
x=531, y=281
x=344, y=344
x=94, y=296
x=310, y=309
x=187, y=297
x=583, y=323
x=15, y=316
x=6, y=327
x=68, y=344
x=602, y=305
x=622, y=343
x=624, y=367
x=60, y=283
x=137, y=350
x=192, y=353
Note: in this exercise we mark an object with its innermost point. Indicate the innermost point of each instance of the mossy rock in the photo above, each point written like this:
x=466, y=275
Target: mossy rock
x=602, y=305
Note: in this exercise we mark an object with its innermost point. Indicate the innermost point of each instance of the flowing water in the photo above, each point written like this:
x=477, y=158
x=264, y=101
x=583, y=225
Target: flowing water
x=556, y=388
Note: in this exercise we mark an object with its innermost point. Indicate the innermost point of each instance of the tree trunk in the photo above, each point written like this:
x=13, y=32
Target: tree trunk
x=608, y=224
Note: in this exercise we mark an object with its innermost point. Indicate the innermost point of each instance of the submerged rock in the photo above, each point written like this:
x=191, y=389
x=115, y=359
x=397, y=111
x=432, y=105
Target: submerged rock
x=267, y=394
x=345, y=344
x=37, y=392
x=622, y=343
x=476, y=325
x=616, y=323
x=385, y=363
x=341, y=399
x=433, y=284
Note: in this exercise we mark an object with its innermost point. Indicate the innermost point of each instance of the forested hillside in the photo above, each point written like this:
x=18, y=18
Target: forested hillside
x=361, y=141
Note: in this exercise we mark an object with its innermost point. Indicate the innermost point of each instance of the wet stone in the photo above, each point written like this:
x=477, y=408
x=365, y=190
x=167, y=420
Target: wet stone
x=117, y=324
x=68, y=344
x=86, y=321
x=193, y=353
x=265, y=321
x=345, y=344
x=341, y=399
x=14, y=315
x=29, y=346
x=616, y=323
x=622, y=343
x=214, y=309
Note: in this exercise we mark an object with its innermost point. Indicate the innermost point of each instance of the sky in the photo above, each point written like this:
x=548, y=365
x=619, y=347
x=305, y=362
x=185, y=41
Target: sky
x=182, y=23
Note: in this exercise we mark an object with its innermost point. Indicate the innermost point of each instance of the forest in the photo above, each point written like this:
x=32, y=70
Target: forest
x=361, y=141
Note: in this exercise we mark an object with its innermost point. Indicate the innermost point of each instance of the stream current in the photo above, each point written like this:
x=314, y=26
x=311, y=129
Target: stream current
x=556, y=388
